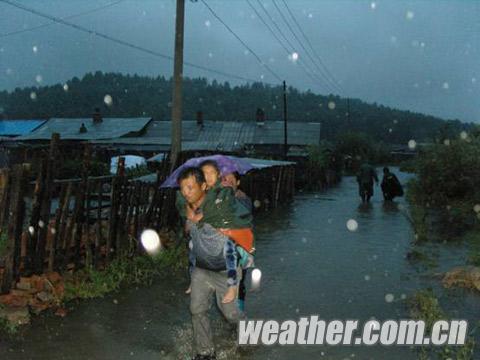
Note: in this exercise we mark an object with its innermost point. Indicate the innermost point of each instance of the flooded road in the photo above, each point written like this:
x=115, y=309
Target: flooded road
x=311, y=263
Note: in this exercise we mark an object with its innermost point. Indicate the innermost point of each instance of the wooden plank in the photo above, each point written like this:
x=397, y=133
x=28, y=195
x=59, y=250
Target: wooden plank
x=56, y=229
x=32, y=236
x=98, y=230
x=62, y=227
x=5, y=201
x=112, y=219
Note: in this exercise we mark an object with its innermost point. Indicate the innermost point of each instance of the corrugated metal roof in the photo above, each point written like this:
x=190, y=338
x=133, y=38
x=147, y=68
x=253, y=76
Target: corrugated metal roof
x=225, y=135
x=262, y=163
x=69, y=129
x=18, y=127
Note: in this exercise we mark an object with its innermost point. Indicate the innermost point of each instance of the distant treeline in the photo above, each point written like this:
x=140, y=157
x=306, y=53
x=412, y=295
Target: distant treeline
x=135, y=95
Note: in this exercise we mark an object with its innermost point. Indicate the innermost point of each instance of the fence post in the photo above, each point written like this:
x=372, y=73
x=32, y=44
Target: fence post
x=46, y=201
x=15, y=228
x=113, y=220
x=79, y=212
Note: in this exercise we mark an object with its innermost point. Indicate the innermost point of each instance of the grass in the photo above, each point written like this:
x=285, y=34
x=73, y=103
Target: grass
x=416, y=256
x=425, y=306
x=140, y=269
x=472, y=238
x=8, y=328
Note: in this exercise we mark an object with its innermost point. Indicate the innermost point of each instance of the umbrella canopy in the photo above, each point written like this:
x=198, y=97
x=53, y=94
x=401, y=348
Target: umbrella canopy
x=226, y=164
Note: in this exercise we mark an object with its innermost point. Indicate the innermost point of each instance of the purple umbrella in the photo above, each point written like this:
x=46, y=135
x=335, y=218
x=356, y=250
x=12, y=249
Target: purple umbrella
x=226, y=164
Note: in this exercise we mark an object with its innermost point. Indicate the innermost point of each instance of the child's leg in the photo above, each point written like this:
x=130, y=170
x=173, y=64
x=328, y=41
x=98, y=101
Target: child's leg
x=230, y=254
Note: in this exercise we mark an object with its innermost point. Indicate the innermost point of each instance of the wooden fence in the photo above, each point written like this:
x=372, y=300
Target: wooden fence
x=59, y=225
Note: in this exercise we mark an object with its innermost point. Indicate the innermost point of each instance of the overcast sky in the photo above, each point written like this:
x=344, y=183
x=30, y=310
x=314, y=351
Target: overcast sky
x=421, y=55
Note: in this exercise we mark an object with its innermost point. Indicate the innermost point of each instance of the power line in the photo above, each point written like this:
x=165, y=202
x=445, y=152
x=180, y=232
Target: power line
x=301, y=43
x=307, y=71
x=65, y=18
x=325, y=84
x=127, y=44
x=327, y=71
x=242, y=42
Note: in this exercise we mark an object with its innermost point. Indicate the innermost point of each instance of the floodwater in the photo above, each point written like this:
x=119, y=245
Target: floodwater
x=311, y=264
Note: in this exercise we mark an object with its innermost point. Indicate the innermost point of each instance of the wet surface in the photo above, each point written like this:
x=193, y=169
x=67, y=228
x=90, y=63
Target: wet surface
x=311, y=263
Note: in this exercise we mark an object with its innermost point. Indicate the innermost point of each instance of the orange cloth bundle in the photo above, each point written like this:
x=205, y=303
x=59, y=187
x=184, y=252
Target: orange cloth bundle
x=242, y=237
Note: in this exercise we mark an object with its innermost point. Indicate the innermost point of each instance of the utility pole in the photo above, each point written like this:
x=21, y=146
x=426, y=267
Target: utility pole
x=177, y=84
x=285, y=133
x=348, y=111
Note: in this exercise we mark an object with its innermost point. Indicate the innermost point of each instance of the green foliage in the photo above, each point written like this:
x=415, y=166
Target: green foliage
x=318, y=155
x=407, y=166
x=137, y=171
x=424, y=306
x=361, y=148
x=449, y=173
x=145, y=96
x=91, y=283
x=72, y=168
x=447, y=185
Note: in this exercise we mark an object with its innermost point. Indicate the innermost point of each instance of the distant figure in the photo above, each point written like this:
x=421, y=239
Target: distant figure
x=365, y=177
x=391, y=187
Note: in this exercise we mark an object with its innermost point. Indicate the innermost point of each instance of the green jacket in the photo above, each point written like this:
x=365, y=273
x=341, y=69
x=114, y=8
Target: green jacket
x=220, y=209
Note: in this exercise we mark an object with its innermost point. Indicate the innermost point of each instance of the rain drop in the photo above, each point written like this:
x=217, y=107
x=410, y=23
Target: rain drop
x=352, y=225
x=373, y=5
x=31, y=230
x=389, y=298
x=38, y=78
x=33, y=95
x=476, y=208
x=463, y=135
x=257, y=203
x=412, y=144
x=208, y=23
x=256, y=278
x=293, y=57
x=410, y=15
x=331, y=105
x=108, y=100
x=41, y=224
x=65, y=87
x=446, y=86
x=35, y=49
x=151, y=241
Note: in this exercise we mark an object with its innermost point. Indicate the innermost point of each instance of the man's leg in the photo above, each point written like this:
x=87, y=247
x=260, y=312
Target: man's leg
x=200, y=302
